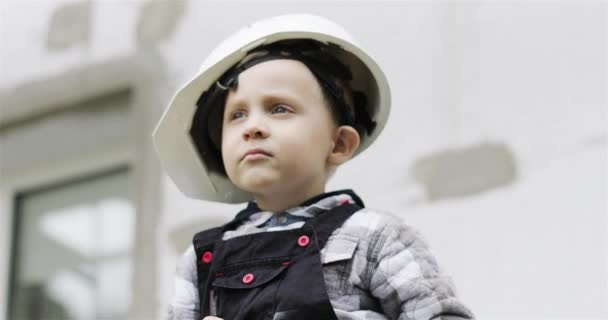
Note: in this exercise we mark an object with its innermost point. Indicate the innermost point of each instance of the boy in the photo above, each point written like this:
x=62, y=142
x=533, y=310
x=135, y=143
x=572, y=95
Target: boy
x=275, y=109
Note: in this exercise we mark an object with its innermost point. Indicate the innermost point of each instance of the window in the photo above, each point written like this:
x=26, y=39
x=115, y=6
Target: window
x=72, y=250
x=62, y=234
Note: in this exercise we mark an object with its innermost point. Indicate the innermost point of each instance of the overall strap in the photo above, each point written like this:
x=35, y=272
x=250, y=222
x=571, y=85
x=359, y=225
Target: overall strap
x=204, y=243
x=325, y=224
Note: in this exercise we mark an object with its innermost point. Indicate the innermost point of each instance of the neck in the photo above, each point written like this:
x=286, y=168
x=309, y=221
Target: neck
x=281, y=200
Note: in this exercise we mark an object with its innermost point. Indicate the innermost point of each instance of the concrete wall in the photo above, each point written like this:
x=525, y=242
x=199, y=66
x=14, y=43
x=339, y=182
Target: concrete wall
x=527, y=76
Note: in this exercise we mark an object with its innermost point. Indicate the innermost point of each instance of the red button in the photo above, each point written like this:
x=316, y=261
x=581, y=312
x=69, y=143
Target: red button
x=345, y=202
x=207, y=257
x=248, y=278
x=303, y=241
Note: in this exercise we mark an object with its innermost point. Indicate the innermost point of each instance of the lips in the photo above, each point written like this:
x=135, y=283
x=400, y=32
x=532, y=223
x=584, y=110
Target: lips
x=257, y=151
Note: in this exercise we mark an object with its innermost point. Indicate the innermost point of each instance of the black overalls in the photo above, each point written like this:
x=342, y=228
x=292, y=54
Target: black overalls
x=268, y=275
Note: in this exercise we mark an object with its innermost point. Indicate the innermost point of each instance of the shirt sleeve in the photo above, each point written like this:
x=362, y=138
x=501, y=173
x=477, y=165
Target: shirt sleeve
x=407, y=280
x=185, y=302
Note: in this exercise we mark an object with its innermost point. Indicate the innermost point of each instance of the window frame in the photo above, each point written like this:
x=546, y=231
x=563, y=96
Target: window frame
x=18, y=216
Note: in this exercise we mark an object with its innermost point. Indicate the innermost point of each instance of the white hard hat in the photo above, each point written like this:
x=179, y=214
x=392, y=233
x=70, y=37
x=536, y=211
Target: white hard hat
x=178, y=153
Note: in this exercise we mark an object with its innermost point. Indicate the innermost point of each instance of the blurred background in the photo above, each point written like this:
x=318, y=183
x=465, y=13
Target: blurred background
x=495, y=148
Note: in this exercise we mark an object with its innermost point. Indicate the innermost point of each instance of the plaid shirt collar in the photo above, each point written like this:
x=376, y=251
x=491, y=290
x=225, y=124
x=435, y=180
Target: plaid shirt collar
x=306, y=209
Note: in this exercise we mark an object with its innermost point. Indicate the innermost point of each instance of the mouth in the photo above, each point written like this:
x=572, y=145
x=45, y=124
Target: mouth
x=256, y=154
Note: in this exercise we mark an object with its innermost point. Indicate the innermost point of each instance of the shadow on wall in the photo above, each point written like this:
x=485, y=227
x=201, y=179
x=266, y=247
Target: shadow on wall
x=465, y=172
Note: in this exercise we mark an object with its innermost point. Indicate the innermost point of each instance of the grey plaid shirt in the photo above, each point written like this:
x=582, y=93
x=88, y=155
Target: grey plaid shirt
x=375, y=267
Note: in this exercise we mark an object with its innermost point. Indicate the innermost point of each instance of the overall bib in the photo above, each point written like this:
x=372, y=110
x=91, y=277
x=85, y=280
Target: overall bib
x=268, y=275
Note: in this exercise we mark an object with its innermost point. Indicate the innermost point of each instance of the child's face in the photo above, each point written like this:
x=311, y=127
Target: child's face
x=278, y=107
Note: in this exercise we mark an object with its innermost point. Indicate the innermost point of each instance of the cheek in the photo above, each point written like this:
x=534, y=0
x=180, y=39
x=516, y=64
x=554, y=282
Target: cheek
x=227, y=148
x=322, y=133
x=311, y=143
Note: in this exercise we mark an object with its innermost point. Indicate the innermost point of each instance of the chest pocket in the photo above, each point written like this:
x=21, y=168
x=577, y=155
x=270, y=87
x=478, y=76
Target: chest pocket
x=247, y=290
x=339, y=248
x=337, y=259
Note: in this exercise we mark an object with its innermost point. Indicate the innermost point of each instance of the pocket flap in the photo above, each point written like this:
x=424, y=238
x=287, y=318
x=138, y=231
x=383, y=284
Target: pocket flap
x=338, y=249
x=248, y=275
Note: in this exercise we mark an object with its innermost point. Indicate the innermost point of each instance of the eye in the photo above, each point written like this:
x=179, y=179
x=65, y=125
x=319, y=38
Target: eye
x=279, y=108
x=236, y=114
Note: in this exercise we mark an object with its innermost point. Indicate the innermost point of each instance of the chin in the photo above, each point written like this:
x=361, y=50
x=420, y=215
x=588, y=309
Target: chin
x=257, y=183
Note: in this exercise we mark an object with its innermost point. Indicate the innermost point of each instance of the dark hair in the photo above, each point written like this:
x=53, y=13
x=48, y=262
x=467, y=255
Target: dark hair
x=332, y=75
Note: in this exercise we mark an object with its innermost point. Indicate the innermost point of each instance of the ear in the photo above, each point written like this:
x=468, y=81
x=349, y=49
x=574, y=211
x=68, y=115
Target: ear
x=346, y=142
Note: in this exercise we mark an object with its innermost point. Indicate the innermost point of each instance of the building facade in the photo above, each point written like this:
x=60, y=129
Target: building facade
x=495, y=148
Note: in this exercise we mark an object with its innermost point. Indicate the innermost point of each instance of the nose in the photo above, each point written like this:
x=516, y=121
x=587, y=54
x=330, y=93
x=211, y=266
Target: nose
x=255, y=129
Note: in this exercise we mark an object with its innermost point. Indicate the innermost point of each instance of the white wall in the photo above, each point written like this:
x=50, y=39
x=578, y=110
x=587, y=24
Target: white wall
x=24, y=27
